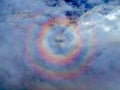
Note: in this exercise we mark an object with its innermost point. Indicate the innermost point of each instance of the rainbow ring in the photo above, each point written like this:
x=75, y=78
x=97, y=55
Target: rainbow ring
x=56, y=50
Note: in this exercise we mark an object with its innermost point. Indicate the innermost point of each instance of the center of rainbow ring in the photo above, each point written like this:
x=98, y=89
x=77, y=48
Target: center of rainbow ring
x=60, y=40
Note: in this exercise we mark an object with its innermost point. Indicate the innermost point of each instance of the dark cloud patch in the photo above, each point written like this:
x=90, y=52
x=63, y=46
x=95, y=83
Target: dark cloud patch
x=52, y=3
x=73, y=15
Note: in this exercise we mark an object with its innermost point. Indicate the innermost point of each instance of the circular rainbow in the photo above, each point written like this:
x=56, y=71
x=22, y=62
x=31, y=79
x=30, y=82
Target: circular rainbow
x=43, y=49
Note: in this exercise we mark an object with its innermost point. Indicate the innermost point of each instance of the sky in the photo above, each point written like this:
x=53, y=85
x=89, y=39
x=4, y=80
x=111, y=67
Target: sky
x=59, y=45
